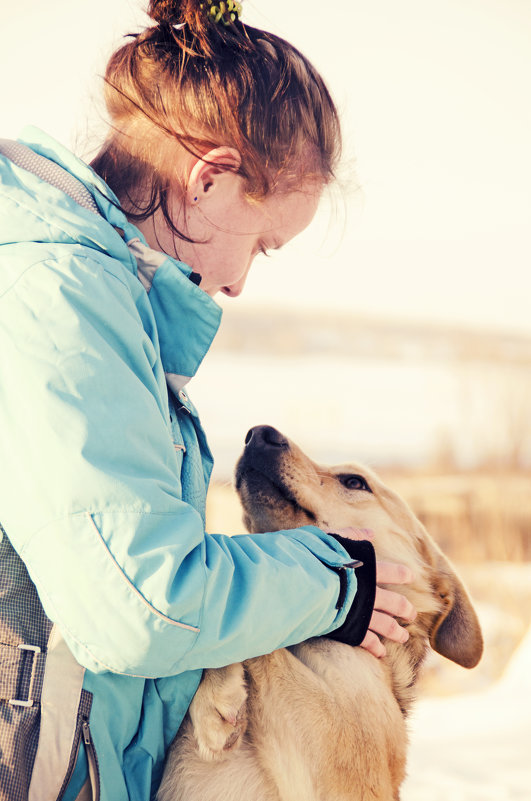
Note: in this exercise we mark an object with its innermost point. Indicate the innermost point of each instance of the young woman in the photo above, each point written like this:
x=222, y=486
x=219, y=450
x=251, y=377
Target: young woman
x=221, y=141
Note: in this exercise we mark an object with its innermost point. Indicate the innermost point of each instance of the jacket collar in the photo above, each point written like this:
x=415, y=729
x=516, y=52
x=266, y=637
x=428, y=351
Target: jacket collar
x=187, y=318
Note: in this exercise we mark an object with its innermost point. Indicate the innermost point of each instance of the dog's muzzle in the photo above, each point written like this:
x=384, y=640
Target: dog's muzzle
x=264, y=449
x=264, y=438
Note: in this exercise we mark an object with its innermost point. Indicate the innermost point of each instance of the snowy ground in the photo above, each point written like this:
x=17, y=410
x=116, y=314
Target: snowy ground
x=475, y=747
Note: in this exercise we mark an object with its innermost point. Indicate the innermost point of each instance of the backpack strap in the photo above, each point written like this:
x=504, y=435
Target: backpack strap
x=15, y=661
x=24, y=635
x=48, y=171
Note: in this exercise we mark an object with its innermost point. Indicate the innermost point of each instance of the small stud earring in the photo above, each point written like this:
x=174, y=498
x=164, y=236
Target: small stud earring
x=195, y=200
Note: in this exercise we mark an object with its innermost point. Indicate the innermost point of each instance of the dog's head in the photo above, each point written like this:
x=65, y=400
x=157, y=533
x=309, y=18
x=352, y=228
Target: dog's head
x=280, y=488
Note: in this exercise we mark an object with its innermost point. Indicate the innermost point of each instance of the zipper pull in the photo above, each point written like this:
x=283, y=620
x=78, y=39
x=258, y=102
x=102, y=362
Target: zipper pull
x=92, y=760
x=86, y=733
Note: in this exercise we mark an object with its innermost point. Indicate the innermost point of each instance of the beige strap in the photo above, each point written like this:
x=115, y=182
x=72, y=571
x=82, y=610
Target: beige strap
x=48, y=171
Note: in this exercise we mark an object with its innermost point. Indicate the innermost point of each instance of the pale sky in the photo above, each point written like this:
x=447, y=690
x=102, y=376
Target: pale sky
x=435, y=101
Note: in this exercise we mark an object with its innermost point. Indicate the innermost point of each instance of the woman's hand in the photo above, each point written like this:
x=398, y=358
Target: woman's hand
x=388, y=605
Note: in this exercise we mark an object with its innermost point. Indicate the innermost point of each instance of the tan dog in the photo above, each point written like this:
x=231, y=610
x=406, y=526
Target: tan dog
x=322, y=721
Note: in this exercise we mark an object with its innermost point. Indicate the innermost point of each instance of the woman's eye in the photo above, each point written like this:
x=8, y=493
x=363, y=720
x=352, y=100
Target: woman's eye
x=354, y=482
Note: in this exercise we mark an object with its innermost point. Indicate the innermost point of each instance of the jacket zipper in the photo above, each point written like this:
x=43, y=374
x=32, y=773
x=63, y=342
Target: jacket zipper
x=72, y=763
x=83, y=731
x=92, y=760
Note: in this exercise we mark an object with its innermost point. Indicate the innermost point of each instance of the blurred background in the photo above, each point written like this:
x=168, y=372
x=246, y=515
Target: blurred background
x=397, y=329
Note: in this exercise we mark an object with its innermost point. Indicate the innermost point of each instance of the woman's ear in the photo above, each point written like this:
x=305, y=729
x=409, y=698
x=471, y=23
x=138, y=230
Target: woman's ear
x=211, y=171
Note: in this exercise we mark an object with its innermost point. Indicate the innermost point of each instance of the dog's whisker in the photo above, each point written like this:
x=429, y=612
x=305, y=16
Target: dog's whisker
x=316, y=473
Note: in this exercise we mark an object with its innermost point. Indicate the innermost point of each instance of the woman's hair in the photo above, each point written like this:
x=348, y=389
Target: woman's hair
x=191, y=84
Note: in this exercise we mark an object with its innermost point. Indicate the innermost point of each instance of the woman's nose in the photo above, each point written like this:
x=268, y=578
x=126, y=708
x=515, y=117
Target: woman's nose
x=235, y=289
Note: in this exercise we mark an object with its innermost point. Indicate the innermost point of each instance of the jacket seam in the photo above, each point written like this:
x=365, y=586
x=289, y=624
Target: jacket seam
x=69, y=257
x=42, y=218
x=20, y=277
x=134, y=589
x=342, y=557
x=194, y=629
x=71, y=636
x=114, y=510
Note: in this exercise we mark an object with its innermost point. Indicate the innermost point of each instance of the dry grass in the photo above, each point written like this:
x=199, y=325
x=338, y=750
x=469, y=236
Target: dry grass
x=482, y=521
x=475, y=517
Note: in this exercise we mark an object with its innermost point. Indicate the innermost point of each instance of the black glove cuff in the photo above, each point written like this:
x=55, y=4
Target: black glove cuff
x=356, y=624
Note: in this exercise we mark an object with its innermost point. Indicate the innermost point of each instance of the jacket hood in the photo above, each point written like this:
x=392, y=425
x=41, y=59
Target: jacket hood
x=34, y=211
x=31, y=214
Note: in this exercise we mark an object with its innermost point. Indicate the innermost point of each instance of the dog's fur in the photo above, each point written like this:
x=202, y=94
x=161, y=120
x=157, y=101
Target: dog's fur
x=320, y=721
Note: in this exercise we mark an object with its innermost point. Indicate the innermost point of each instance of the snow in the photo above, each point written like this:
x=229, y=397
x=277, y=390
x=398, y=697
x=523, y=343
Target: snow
x=475, y=747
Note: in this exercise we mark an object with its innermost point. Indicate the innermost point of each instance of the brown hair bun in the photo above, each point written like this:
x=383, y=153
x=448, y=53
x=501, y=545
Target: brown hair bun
x=169, y=11
x=191, y=83
x=175, y=12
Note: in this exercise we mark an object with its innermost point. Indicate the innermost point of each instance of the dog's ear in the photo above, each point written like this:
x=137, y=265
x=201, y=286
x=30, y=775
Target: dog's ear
x=456, y=633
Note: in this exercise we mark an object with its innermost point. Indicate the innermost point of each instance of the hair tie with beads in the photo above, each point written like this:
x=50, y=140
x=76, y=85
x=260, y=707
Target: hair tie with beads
x=227, y=12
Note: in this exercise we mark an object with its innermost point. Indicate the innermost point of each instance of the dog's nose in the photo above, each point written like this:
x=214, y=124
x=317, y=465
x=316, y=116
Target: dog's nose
x=265, y=437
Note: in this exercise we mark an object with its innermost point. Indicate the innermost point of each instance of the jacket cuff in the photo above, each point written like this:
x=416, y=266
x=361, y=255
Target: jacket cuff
x=354, y=628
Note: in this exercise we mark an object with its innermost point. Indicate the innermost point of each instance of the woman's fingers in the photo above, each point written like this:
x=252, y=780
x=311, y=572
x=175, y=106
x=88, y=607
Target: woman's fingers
x=395, y=604
x=388, y=627
x=372, y=644
x=389, y=605
x=391, y=573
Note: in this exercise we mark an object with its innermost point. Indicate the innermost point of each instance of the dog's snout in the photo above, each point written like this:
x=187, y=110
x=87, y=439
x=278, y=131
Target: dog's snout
x=265, y=437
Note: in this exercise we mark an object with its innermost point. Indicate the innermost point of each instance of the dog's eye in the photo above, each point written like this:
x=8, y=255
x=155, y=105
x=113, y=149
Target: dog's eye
x=353, y=482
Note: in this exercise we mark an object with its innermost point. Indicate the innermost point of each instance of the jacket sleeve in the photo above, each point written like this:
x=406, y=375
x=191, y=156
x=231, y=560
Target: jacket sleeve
x=91, y=497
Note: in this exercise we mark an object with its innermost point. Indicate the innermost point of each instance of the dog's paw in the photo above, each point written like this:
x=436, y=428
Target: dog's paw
x=218, y=712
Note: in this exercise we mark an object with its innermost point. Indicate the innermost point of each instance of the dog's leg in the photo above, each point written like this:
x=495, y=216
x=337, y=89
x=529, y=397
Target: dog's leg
x=315, y=735
x=218, y=711
x=287, y=701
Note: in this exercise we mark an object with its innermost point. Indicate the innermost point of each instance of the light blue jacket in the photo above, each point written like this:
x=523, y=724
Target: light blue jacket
x=103, y=484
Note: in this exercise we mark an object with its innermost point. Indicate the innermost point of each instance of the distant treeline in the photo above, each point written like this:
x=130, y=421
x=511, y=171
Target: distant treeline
x=291, y=333
x=474, y=516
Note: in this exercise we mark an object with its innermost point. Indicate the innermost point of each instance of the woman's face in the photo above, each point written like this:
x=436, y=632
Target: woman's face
x=229, y=231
